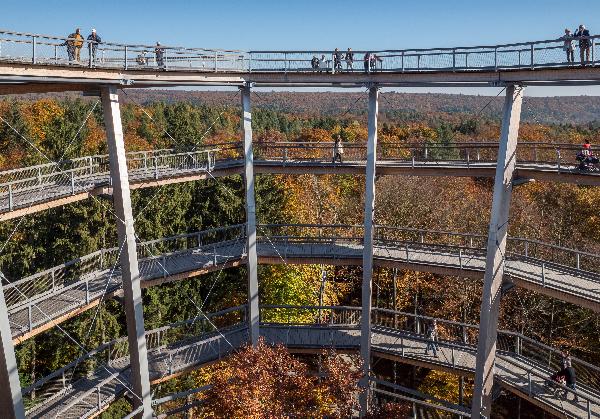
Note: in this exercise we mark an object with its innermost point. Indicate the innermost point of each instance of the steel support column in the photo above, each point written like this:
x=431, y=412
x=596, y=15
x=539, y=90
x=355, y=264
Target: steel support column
x=11, y=400
x=496, y=246
x=132, y=301
x=252, y=265
x=365, y=337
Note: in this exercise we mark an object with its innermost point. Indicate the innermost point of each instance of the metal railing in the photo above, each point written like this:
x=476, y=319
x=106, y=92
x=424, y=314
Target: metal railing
x=87, y=276
x=108, y=360
x=40, y=49
x=90, y=276
x=557, y=155
x=68, y=177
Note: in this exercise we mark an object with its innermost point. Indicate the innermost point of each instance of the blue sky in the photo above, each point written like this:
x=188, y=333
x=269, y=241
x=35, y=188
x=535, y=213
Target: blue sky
x=310, y=24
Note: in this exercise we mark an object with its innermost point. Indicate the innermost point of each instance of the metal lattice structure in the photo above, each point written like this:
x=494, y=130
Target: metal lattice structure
x=130, y=364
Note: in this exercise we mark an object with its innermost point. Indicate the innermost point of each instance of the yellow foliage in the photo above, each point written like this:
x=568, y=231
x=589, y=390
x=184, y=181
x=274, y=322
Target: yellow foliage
x=38, y=115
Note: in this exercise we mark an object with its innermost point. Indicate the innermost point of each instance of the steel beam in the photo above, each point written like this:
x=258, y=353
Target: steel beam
x=11, y=399
x=495, y=260
x=253, y=310
x=134, y=312
x=365, y=336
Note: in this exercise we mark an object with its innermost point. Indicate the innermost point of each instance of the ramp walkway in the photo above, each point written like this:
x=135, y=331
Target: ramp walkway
x=523, y=364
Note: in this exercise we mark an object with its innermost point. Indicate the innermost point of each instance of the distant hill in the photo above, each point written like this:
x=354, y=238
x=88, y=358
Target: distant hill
x=553, y=110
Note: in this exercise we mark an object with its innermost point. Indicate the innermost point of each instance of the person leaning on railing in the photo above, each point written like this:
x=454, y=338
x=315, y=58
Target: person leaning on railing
x=93, y=41
x=74, y=44
x=584, y=43
x=568, y=46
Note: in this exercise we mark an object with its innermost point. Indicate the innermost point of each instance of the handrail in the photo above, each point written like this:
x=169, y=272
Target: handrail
x=111, y=343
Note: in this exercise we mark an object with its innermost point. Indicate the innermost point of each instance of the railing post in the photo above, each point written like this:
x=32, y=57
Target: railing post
x=543, y=275
x=578, y=260
x=52, y=276
x=460, y=258
x=72, y=182
x=532, y=51
x=29, y=318
x=216, y=61
x=529, y=382
x=402, y=61
x=33, y=49
x=87, y=292
x=453, y=358
x=99, y=398
x=496, y=59
x=526, y=249
x=55, y=54
x=155, y=158
x=518, y=345
x=126, y=65
x=164, y=265
x=593, y=47
x=10, y=198
x=454, y=60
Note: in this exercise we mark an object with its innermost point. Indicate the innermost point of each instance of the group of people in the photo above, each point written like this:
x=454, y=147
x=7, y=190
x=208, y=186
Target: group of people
x=75, y=42
x=370, y=61
x=585, y=43
x=159, y=53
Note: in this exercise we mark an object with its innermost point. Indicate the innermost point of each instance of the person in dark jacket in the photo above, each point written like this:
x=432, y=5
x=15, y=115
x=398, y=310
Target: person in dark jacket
x=93, y=41
x=159, y=51
x=349, y=59
x=337, y=59
x=584, y=43
x=571, y=380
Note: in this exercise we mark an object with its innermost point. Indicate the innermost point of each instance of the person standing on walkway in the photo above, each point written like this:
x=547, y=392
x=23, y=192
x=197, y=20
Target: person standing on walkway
x=349, y=59
x=584, y=43
x=337, y=59
x=566, y=359
x=432, y=338
x=571, y=379
x=338, y=149
x=93, y=41
x=568, y=46
x=74, y=43
x=159, y=51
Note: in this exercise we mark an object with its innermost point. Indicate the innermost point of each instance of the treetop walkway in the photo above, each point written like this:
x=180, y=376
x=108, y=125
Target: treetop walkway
x=161, y=65
x=32, y=63
x=87, y=385
x=36, y=188
x=40, y=301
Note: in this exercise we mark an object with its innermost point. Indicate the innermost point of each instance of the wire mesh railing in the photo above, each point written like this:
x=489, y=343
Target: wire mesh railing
x=60, y=51
x=345, y=316
x=21, y=187
x=104, y=363
x=559, y=155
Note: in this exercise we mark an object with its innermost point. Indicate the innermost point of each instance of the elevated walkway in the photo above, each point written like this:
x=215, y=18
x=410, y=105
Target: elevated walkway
x=40, y=301
x=40, y=63
x=37, y=188
x=522, y=366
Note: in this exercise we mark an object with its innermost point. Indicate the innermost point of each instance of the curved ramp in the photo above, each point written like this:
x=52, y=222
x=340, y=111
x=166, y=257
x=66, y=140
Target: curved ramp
x=522, y=369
